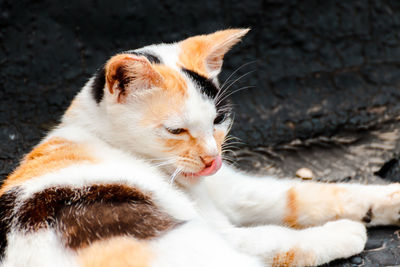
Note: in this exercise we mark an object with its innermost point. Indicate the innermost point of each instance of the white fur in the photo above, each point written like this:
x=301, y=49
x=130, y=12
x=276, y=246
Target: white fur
x=41, y=248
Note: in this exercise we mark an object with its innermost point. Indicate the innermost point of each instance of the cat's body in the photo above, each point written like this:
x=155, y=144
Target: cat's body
x=97, y=191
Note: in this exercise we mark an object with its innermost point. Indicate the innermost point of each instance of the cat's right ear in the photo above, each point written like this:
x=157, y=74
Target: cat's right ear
x=128, y=73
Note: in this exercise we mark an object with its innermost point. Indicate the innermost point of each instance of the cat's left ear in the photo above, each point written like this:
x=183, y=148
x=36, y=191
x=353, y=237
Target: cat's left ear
x=129, y=73
x=204, y=53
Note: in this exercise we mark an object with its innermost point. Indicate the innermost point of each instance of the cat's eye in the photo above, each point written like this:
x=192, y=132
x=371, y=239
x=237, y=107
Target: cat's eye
x=175, y=131
x=220, y=118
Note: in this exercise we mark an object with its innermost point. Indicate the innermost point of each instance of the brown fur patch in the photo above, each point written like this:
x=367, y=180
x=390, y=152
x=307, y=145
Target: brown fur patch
x=368, y=216
x=204, y=53
x=52, y=155
x=116, y=252
x=7, y=204
x=84, y=215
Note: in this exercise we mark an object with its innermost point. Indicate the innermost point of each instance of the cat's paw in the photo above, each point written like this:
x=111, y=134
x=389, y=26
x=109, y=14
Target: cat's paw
x=339, y=239
x=348, y=234
x=385, y=209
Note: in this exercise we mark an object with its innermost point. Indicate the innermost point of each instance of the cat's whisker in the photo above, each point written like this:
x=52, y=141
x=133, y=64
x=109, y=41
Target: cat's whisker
x=233, y=92
x=163, y=164
x=175, y=174
x=238, y=79
x=223, y=91
x=232, y=140
x=231, y=162
x=232, y=144
x=161, y=159
x=230, y=151
x=226, y=107
x=231, y=137
x=225, y=157
x=235, y=71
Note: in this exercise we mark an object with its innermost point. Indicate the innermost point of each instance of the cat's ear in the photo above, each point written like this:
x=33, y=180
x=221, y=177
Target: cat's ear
x=204, y=53
x=127, y=73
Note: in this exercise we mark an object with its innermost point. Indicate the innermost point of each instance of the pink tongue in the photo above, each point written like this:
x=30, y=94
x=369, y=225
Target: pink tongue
x=215, y=166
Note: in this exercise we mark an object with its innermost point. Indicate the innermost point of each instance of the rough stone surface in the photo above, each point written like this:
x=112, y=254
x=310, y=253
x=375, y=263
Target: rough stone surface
x=326, y=80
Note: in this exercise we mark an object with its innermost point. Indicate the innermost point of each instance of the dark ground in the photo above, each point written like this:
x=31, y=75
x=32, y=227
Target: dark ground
x=326, y=79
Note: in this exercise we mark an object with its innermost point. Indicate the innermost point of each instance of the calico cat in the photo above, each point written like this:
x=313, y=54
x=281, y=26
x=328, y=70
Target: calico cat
x=133, y=176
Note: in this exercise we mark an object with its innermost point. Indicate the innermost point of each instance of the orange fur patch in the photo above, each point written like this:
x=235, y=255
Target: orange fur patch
x=202, y=52
x=185, y=146
x=191, y=148
x=172, y=80
x=310, y=204
x=292, y=213
x=219, y=136
x=293, y=257
x=285, y=259
x=169, y=99
x=53, y=155
x=194, y=52
x=116, y=252
x=187, y=149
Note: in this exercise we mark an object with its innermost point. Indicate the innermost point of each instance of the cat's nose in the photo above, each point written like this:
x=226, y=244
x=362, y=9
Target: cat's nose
x=213, y=164
x=208, y=160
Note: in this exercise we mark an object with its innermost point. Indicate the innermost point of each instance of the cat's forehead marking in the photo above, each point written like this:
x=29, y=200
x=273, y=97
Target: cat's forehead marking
x=206, y=86
x=147, y=53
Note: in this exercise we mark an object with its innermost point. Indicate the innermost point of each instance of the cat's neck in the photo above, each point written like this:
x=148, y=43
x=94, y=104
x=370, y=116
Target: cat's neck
x=91, y=117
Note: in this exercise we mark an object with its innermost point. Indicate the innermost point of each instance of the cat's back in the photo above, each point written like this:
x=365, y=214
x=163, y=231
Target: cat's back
x=74, y=197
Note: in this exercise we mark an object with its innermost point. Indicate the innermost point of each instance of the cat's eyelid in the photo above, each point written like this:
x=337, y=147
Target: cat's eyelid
x=176, y=131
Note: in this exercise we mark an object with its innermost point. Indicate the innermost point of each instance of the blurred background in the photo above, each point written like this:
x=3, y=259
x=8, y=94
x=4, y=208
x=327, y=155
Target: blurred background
x=326, y=76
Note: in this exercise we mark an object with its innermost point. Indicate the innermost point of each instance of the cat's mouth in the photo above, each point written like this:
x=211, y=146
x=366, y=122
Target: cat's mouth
x=214, y=166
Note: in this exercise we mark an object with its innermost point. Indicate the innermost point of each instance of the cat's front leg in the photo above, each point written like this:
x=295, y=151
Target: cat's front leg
x=309, y=204
x=249, y=200
x=280, y=246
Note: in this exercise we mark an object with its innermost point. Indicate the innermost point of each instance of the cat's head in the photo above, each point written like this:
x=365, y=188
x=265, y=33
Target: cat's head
x=164, y=102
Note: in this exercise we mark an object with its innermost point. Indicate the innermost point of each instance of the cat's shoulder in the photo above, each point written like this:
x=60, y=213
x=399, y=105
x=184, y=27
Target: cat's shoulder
x=69, y=156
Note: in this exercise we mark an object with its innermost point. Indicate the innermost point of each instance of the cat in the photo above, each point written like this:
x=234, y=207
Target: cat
x=133, y=176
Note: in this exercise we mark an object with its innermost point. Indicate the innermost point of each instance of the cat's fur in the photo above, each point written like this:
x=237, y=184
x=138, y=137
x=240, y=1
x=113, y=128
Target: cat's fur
x=97, y=191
